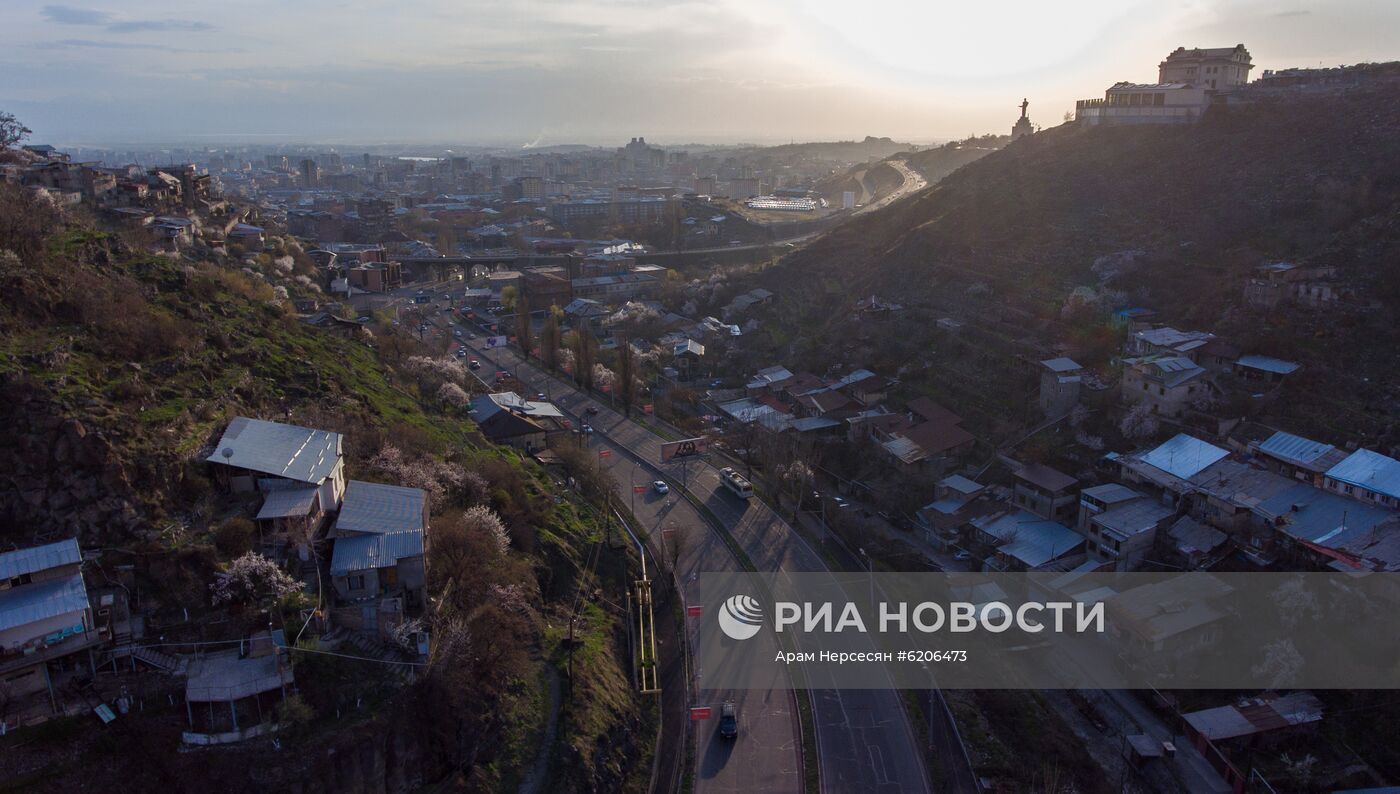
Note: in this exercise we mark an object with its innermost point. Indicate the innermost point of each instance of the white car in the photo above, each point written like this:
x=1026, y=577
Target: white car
x=457, y=332
x=661, y=487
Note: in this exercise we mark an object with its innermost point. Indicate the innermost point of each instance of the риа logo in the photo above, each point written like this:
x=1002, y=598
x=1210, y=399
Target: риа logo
x=740, y=617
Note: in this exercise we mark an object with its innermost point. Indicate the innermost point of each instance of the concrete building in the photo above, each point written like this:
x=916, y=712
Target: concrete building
x=1045, y=492
x=45, y=619
x=1060, y=381
x=1214, y=68
x=1167, y=384
x=310, y=174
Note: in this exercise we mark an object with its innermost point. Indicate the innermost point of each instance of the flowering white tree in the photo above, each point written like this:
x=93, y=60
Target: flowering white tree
x=253, y=579
x=1139, y=422
x=484, y=520
x=603, y=378
x=453, y=395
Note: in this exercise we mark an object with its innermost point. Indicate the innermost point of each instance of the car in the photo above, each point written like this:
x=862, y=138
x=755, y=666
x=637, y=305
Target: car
x=587, y=428
x=473, y=364
x=715, y=384
x=728, y=721
x=840, y=502
x=661, y=487
x=592, y=410
x=461, y=352
x=963, y=556
x=541, y=397
x=456, y=331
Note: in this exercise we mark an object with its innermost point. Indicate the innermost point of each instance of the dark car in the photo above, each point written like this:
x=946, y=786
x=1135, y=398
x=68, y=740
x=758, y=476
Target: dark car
x=728, y=721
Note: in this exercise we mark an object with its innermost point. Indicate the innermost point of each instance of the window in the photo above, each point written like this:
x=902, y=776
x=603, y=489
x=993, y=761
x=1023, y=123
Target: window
x=357, y=581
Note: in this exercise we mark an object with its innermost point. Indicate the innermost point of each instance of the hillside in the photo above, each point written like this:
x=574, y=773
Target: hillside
x=119, y=366
x=1177, y=219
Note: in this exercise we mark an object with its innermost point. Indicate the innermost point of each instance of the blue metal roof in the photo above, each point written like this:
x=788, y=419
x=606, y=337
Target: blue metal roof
x=297, y=453
x=1268, y=364
x=39, y=558
x=288, y=502
x=31, y=603
x=1370, y=470
x=1294, y=449
x=379, y=509
x=368, y=552
x=1184, y=456
x=1029, y=538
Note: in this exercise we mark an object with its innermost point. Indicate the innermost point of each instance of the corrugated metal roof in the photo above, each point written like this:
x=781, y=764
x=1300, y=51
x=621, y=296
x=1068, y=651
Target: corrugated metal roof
x=1294, y=449
x=1268, y=364
x=1370, y=470
x=367, y=552
x=1029, y=538
x=288, y=502
x=1111, y=493
x=297, y=453
x=375, y=508
x=39, y=558
x=29, y=603
x=1060, y=364
x=1183, y=456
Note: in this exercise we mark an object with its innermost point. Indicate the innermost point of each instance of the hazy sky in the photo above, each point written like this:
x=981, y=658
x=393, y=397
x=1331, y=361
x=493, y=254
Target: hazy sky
x=596, y=71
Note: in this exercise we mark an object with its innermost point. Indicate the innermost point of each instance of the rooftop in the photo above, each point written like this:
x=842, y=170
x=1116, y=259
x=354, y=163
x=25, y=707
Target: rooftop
x=31, y=603
x=368, y=552
x=1029, y=538
x=1183, y=456
x=1294, y=449
x=1043, y=476
x=288, y=502
x=39, y=558
x=296, y=453
x=1061, y=364
x=1370, y=470
x=380, y=509
x=223, y=676
x=1268, y=364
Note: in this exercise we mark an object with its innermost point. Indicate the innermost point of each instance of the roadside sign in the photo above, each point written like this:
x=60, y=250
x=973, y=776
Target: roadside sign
x=686, y=448
x=605, y=453
x=694, y=610
x=639, y=489
x=698, y=713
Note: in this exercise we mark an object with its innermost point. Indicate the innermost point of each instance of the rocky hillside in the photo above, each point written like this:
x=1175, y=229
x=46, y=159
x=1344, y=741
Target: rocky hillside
x=119, y=366
x=1176, y=218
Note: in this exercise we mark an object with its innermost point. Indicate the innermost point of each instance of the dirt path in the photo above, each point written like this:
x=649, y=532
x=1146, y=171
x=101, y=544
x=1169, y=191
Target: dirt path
x=539, y=771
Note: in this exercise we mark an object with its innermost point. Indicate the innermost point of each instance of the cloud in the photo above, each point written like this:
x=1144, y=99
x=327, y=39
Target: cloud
x=1299, y=13
x=68, y=15
x=123, y=45
x=86, y=17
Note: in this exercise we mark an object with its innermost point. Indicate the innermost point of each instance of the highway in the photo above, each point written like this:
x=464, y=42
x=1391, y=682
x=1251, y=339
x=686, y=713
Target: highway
x=863, y=737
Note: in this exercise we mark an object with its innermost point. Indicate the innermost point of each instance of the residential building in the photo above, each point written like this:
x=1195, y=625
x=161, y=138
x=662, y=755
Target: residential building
x=507, y=418
x=1095, y=500
x=1125, y=533
x=255, y=454
x=1367, y=476
x=45, y=619
x=1297, y=457
x=372, y=508
x=1045, y=492
x=368, y=567
x=1020, y=541
x=1167, y=384
x=1060, y=380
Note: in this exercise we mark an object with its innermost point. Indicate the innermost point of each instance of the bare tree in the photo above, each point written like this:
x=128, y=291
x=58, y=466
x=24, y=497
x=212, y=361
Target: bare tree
x=522, y=325
x=11, y=131
x=626, y=388
x=549, y=341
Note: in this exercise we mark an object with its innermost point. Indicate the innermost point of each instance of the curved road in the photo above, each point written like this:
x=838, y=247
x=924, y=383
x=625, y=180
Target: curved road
x=864, y=740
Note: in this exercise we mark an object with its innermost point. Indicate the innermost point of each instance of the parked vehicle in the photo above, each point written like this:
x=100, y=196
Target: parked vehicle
x=474, y=364
x=661, y=487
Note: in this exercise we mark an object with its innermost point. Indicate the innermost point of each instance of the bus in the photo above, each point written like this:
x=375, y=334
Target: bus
x=736, y=483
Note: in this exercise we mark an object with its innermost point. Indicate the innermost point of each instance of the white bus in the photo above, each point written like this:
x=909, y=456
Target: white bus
x=736, y=483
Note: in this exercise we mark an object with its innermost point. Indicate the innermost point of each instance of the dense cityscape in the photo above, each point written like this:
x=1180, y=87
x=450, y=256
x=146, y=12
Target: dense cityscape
x=383, y=467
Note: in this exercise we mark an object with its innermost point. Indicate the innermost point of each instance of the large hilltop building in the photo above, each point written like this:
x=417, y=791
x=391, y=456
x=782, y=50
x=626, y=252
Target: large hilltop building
x=1187, y=82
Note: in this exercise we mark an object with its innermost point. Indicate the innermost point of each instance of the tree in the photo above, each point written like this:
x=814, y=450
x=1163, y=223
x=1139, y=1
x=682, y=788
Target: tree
x=522, y=325
x=549, y=341
x=1139, y=422
x=509, y=294
x=626, y=388
x=583, y=356
x=252, y=579
x=11, y=131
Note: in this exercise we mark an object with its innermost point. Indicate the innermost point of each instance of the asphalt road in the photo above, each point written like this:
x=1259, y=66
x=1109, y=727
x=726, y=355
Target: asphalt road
x=864, y=740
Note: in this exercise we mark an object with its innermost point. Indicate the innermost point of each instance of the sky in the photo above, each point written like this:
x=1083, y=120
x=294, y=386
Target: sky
x=516, y=72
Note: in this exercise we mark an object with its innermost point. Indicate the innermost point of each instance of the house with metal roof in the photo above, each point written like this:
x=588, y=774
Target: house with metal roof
x=1297, y=457
x=1021, y=541
x=1060, y=381
x=45, y=618
x=1099, y=498
x=370, y=567
x=1045, y=491
x=1264, y=369
x=372, y=508
x=1124, y=534
x=1167, y=384
x=252, y=452
x=1368, y=476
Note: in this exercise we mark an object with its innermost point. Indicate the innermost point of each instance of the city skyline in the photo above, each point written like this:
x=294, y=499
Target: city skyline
x=546, y=73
